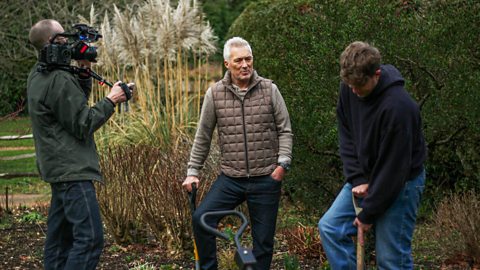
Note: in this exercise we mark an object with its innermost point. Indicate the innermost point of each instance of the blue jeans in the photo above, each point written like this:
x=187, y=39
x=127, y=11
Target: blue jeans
x=393, y=230
x=74, y=227
x=262, y=194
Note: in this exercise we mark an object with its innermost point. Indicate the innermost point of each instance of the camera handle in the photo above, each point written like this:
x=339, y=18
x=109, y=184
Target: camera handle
x=91, y=73
x=102, y=81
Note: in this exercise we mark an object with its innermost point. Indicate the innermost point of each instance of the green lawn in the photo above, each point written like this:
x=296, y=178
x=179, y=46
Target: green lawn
x=24, y=185
x=11, y=153
x=19, y=126
x=19, y=165
x=16, y=143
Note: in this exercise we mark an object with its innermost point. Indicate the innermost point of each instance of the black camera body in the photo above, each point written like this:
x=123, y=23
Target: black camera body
x=56, y=55
x=77, y=47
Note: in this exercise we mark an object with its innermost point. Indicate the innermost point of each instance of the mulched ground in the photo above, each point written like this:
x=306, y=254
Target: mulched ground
x=22, y=237
x=21, y=247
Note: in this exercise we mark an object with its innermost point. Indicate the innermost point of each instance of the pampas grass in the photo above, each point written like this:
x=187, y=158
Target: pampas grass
x=157, y=47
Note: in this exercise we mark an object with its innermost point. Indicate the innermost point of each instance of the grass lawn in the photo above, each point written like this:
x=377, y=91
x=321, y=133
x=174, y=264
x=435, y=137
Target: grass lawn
x=10, y=148
x=16, y=143
x=11, y=153
x=16, y=126
x=24, y=185
x=19, y=165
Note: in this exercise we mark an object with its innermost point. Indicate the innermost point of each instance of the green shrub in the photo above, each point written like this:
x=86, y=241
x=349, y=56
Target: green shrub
x=291, y=262
x=32, y=217
x=298, y=43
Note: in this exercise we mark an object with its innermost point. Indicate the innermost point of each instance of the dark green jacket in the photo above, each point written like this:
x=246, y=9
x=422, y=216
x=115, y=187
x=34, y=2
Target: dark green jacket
x=63, y=125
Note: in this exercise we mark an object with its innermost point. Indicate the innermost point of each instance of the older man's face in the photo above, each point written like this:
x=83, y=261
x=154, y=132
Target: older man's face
x=240, y=65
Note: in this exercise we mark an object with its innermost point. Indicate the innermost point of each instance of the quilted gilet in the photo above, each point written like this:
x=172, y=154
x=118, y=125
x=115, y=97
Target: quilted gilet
x=247, y=132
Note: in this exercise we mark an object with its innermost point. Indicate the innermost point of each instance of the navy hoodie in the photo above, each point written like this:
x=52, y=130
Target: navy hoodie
x=381, y=141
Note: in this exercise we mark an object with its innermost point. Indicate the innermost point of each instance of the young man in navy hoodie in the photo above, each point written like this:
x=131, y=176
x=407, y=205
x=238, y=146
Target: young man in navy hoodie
x=383, y=150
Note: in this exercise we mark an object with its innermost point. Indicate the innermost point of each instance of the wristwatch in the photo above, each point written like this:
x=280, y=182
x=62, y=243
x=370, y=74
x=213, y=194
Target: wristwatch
x=284, y=165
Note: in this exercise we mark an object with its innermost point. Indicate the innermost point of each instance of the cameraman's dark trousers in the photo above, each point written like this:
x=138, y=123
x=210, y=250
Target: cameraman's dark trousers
x=262, y=194
x=74, y=228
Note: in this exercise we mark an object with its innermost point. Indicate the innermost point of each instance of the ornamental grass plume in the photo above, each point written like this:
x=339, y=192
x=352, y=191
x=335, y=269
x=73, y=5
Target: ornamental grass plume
x=157, y=47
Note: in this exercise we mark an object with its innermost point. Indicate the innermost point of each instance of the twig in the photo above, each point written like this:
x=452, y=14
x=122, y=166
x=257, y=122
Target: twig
x=438, y=83
x=447, y=139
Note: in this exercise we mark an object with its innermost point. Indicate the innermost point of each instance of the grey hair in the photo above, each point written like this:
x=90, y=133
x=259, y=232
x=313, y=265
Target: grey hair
x=234, y=42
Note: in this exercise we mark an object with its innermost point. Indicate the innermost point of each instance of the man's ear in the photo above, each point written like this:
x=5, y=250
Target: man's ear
x=225, y=62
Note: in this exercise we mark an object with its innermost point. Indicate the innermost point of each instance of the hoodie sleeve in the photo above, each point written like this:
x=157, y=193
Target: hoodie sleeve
x=348, y=153
x=391, y=168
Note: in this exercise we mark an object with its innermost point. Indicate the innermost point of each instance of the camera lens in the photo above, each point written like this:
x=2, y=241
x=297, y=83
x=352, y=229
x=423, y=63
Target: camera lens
x=66, y=53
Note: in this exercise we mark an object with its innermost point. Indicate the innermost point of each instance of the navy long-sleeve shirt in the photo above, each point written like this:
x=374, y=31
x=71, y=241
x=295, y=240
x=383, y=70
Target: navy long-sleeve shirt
x=381, y=141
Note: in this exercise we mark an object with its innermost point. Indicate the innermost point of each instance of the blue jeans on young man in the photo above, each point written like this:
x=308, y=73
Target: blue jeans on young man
x=262, y=195
x=74, y=227
x=393, y=230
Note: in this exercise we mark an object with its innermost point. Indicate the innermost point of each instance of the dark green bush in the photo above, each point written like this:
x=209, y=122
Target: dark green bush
x=221, y=14
x=433, y=43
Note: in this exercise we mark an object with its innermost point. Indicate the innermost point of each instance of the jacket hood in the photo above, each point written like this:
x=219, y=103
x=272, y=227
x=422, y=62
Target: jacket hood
x=389, y=76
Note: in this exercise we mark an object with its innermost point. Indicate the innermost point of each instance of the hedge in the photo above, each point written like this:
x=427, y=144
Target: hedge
x=433, y=43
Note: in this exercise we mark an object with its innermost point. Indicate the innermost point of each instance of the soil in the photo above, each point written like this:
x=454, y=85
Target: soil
x=21, y=247
x=17, y=200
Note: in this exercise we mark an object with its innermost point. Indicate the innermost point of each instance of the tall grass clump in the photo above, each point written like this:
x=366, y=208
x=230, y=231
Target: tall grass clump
x=164, y=50
x=304, y=242
x=144, y=192
x=457, y=226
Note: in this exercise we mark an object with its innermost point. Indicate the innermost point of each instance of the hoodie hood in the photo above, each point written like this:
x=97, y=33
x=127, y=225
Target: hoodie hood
x=389, y=76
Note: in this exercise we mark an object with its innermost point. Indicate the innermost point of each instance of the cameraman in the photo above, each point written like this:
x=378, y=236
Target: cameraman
x=63, y=125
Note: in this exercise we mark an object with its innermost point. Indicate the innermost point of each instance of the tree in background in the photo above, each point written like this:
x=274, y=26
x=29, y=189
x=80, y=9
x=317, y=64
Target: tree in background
x=221, y=14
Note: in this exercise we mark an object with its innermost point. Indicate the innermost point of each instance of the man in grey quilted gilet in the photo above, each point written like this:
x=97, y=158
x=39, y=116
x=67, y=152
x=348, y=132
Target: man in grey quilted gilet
x=255, y=139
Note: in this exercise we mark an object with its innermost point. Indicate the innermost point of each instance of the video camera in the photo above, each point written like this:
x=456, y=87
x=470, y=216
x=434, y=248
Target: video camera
x=76, y=48
x=58, y=56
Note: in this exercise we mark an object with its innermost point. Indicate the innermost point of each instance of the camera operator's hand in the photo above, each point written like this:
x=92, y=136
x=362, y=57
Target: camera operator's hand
x=85, y=64
x=117, y=95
